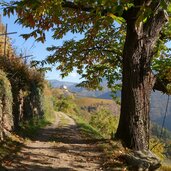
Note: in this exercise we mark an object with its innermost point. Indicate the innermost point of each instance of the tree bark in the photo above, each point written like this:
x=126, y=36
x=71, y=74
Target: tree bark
x=138, y=80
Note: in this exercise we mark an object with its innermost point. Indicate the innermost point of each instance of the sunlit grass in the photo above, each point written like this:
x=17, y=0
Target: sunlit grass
x=86, y=128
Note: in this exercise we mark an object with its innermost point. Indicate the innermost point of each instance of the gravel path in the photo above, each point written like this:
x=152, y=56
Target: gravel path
x=59, y=146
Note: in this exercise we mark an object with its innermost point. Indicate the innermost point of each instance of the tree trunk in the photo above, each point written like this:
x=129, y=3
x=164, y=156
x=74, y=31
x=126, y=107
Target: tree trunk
x=137, y=82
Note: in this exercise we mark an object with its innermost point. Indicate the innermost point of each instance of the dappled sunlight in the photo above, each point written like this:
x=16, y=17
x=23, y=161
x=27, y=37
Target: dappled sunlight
x=60, y=146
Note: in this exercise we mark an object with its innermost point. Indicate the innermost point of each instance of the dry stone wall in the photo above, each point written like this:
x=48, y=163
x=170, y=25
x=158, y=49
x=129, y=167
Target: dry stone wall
x=6, y=118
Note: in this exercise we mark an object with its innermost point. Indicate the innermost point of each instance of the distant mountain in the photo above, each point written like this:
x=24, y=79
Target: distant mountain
x=158, y=100
x=105, y=93
x=58, y=84
x=158, y=109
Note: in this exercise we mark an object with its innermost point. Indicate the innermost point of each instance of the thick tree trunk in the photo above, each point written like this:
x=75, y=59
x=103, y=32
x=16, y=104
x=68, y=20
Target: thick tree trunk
x=137, y=82
x=136, y=88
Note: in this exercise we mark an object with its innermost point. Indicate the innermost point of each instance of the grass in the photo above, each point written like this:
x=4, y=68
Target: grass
x=89, y=130
x=29, y=129
x=63, y=121
x=113, y=150
x=105, y=122
x=85, y=128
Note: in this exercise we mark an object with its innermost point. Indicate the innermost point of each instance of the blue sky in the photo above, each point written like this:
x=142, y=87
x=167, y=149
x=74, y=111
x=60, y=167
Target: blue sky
x=38, y=50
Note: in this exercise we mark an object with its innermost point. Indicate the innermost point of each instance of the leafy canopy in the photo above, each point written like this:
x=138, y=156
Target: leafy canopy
x=99, y=53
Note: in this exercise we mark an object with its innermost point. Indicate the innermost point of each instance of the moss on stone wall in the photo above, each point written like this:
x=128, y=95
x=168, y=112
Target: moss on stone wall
x=27, y=86
x=28, y=92
x=6, y=118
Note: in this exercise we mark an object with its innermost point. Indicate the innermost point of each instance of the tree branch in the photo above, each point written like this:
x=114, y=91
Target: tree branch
x=104, y=50
x=69, y=4
x=86, y=8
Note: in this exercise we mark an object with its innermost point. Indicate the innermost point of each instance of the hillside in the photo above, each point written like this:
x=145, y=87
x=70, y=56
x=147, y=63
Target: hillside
x=158, y=100
x=158, y=108
x=92, y=104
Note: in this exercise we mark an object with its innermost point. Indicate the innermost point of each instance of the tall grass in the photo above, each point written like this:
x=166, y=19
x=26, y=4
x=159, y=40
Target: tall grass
x=48, y=105
x=86, y=129
x=105, y=122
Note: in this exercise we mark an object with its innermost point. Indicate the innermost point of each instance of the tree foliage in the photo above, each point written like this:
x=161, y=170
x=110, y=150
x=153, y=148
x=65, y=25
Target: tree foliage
x=102, y=22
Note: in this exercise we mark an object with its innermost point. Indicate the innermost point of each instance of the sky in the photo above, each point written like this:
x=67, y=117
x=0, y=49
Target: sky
x=37, y=49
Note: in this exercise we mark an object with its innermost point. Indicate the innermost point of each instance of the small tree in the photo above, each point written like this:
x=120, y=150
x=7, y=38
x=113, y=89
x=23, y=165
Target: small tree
x=108, y=49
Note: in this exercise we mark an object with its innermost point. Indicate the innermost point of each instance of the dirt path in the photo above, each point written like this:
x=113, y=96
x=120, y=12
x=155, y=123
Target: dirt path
x=59, y=146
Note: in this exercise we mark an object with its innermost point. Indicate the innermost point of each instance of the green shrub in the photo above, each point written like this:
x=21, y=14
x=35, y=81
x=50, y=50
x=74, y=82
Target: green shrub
x=105, y=122
x=65, y=104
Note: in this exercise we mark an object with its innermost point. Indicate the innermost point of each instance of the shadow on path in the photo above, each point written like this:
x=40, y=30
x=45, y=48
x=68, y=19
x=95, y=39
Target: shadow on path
x=58, y=147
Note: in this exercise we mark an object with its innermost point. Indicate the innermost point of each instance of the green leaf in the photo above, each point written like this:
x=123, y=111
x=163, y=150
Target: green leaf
x=120, y=20
x=169, y=8
x=164, y=4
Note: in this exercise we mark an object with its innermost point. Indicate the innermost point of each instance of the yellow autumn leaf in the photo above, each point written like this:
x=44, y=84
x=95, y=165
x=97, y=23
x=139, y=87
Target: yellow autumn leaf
x=118, y=19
